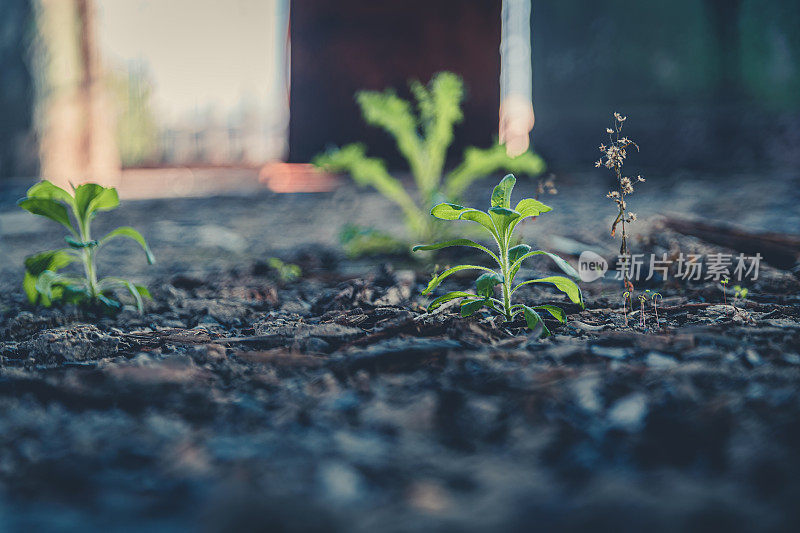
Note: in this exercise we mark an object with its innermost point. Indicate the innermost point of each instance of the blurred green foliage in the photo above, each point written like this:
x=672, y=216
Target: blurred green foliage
x=423, y=138
x=137, y=129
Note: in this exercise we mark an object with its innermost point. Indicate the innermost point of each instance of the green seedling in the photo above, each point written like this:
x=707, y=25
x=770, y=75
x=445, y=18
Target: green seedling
x=655, y=297
x=500, y=221
x=740, y=293
x=642, y=317
x=626, y=297
x=287, y=272
x=724, y=285
x=360, y=242
x=43, y=283
x=423, y=139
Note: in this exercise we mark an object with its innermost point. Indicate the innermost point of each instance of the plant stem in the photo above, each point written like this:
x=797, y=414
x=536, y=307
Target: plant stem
x=623, y=250
x=625, y=309
x=87, y=257
x=504, y=266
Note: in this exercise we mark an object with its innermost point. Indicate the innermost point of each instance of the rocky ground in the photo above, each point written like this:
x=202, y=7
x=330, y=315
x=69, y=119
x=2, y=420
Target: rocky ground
x=240, y=401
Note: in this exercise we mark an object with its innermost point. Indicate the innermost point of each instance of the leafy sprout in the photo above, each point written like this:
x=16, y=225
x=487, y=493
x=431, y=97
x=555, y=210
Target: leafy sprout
x=655, y=297
x=43, y=283
x=287, y=272
x=626, y=296
x=500, y=221
x=740, y=293
x=642, y=316
x=423, y=139
x=724, y=285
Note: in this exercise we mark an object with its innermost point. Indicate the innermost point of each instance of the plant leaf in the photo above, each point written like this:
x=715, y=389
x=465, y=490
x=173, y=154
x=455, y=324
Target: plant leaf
x=48, y=208
x=372, y=171
x=535, y=322
x=514, y=254
x=133, y=290
x=556, y=312
x=48, y=191
x=137, y=296
x=439, y=107
x=73, y=294
x=455, y=242
x=51, y=260
x=48, y=280
x=110, y=304
x=107, y=200
x=517, y=252
x=29, y=286
x=561, y=263
x=142, y=290
x=441, y=300
x=459, y=212
x=388, y=111
x=502, y=218
x=486, y=282
x=130, y=233
x=84, y=196
x=433, y=283
x=481, y=162
x=501, y=195
x=529, y=207
x=470, y=307
x=565, y=285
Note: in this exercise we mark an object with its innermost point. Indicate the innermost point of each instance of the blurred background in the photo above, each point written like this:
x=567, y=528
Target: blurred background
x=151, y=95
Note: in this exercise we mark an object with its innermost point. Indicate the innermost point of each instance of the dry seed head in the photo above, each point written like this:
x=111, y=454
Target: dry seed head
x=625, y=184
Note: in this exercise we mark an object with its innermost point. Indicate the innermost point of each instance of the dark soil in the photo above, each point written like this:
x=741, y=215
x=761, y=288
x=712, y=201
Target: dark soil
x=335, y=403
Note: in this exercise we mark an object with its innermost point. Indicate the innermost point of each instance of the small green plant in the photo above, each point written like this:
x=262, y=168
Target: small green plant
x=43, y=283
x=642, y=315
x=360, y=242
x=655, y=297
x=287, y=272
x=740, y=293
x=500, y=221
x=423, y=139
x=724, y=286
x=626, y=297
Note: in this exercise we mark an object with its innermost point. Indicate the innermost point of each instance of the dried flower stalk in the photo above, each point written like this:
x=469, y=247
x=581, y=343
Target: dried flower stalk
x=613, y=158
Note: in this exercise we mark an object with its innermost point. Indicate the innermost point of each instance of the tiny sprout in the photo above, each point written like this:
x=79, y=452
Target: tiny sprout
x=43, y=284
x=655, y=298
x=500, y=221
x=287, y=272
x=740, y=293
x=724, y=282
x=626, y=296
x=642, y=318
